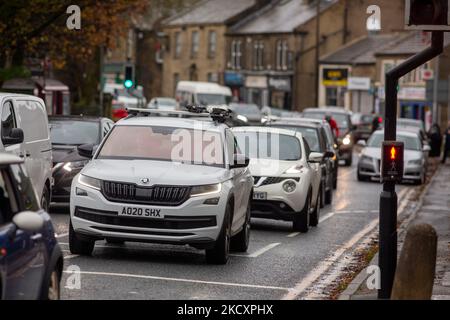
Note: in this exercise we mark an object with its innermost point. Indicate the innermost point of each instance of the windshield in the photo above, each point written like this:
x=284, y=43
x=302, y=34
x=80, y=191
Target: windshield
x=310, y=134
x=209, y=99
x=263, y=145
x=411, y=143
x=165, y=102
x=187, y=146
x=341, y=118
x=246, y=109
x=74, y=132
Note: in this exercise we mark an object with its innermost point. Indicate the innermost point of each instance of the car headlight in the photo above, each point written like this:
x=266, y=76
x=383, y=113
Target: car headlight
x=294, y=170
x=76, y=165
x=89, y=182
x=289, y=186
x=347, y=140
x=417, y=162
x=206, y=190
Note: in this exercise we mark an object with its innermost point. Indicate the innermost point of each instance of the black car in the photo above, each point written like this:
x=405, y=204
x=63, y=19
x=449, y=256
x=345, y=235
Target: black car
x=67, y=134
x=316, y=136
x=346, y=140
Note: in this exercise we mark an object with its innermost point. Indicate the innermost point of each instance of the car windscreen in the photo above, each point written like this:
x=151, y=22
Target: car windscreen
x=165, y=102
x=209, y=99
x=342, y=119
x=188, y=146
x=271, y=146
x=411, y=143
x=246, y=109
x=74, y=132
x=311, y=135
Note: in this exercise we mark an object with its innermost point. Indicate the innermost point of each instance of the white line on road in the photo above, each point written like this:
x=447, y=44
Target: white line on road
x=62, y=235
x=259, y=252
x=293, y=235
x=71, y=256
x=327, y=263
x=326, y=217
x=136, y=276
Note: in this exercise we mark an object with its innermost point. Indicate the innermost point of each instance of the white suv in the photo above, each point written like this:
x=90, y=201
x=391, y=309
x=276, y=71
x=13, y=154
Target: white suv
x=164, y=180
x=287, y=175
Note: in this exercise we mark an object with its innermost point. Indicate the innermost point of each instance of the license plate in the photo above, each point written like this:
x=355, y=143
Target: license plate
x=260, y=196
x=141, y=213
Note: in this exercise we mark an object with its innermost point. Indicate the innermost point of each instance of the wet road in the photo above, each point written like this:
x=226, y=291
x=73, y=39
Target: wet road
x=279, y=264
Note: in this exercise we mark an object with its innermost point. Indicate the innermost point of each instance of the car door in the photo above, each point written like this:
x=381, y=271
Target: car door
x=239, y=182
x=22, y=259
x=9, y=122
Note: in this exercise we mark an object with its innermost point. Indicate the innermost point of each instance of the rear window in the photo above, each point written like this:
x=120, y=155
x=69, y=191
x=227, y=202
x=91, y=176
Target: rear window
x=74, y=132
x=311, y=135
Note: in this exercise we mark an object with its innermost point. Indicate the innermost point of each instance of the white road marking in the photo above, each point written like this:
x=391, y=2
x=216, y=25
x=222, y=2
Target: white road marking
x=327, y=263
x=322, y=267
x=62, y=235
x=293, y=235
x=71, y=256
x=326, y=217
x=259, y=252
x=228, y=284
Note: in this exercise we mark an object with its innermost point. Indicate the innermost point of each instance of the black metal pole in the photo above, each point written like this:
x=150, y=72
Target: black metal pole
x=388, y=198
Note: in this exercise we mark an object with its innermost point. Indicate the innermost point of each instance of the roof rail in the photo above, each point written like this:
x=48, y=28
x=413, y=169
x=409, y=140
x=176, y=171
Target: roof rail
x=216, y=113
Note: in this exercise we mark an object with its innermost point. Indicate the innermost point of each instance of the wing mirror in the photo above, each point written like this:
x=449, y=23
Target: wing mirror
x=29, y=221
x=329, y=155
x=14, y=137
x=86, y=150
x=240, y=161
x=316, y=157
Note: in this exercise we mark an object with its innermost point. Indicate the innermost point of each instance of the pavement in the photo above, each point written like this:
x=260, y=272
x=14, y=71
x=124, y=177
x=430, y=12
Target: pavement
x=280, y=263
x=432, y=208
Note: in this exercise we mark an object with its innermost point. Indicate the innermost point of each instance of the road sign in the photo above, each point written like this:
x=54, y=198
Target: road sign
x=392, y=161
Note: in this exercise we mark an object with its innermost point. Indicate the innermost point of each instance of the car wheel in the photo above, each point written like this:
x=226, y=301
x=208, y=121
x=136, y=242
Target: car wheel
x=115, y=241
x=315, y=215
x=78, y=246
x=241, y=241
x=329, y=196
x=220, y=252
x=51, y=287
x=45, y=200
x=301, y=219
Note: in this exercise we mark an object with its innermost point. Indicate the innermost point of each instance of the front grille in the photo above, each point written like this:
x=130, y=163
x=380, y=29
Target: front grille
x=157, y=195
x=272, y=180
x=169, y=222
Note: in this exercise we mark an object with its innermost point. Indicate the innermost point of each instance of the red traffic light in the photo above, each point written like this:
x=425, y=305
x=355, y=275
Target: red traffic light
x=392, y=161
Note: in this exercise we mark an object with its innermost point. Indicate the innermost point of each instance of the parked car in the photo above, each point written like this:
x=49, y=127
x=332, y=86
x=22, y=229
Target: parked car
x=414, y=158
x=31, y=262
x=202, y=93
x=25, y=133
x=67, y=134
x=315, y=135
x=247, y=112
x=137, y=188
x=346, y=139
x=416, y=126
x=286, y=175
x=167, y=104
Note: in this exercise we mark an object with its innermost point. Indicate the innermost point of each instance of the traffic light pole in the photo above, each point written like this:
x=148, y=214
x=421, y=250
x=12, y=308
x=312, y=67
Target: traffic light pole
x=388, y=198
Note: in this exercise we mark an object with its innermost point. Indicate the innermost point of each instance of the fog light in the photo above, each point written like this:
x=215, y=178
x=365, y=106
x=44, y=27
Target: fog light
x=212, y=201
x=81, y=192
x=289, y=186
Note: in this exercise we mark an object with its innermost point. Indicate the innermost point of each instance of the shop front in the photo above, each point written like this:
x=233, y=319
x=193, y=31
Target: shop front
x=236, y=82
x=334, y=84
x=257, y=90
x=280, y=92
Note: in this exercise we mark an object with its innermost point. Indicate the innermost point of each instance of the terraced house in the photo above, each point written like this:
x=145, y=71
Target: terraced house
x=195, y=41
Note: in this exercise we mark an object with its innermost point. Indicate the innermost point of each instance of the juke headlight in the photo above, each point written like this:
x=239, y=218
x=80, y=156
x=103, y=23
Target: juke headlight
x=289, y=186
x=206, y=190
x=90, y=182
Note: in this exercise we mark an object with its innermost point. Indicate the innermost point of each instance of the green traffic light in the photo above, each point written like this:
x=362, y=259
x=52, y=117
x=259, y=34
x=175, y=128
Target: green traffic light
x=128, y=84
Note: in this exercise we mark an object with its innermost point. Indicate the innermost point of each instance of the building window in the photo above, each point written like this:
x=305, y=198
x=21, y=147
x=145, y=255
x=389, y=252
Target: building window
x=282, y=55
x=195, y=43
x=236, y=54
x=177, y=44
x=176, y=79
x=213, y=77
x=212, y=44
x=258, y=55
x=332, y=96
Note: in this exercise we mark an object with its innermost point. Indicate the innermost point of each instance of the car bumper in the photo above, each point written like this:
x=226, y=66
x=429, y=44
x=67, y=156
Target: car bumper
x=280, y=204
x=193, y=222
